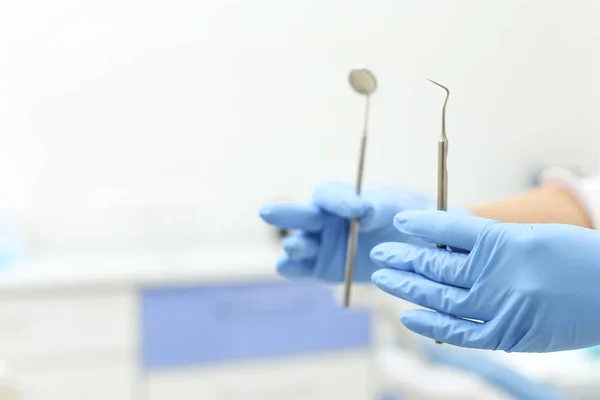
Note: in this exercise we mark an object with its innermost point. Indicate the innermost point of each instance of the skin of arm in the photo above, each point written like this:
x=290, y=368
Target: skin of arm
x=545, y=204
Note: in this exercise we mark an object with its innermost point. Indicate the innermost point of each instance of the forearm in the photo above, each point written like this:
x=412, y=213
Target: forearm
x=546, y=204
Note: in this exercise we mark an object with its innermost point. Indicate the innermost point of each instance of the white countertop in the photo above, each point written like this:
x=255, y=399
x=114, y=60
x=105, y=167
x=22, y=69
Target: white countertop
x=565, y=369
x=139, y=269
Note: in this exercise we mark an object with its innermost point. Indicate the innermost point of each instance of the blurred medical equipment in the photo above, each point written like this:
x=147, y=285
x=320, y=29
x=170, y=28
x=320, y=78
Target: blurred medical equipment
x=442, y=184
x=363, y=82
x=12, y=238
x=460, y=374
x=485, y=366
x=129, y=326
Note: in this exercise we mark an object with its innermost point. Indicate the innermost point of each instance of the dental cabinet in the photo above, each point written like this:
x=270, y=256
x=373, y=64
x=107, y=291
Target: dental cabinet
x=200, y=326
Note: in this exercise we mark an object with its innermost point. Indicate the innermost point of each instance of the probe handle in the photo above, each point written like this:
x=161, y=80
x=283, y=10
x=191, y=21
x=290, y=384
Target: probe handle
x=440, y=246
x=442, y=184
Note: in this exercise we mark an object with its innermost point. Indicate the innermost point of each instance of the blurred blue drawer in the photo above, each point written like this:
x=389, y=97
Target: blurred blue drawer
x=214, y=324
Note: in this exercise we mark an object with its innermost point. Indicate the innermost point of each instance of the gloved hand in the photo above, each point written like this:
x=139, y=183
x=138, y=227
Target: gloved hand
x=534, y=287
x=318, y=246
x=497, y=374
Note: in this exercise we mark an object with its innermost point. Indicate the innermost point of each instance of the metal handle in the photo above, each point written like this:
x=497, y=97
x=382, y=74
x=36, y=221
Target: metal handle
x=354, y=224
x=350, y=259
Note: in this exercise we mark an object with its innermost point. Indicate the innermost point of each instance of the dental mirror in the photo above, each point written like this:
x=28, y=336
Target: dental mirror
x=362, y=81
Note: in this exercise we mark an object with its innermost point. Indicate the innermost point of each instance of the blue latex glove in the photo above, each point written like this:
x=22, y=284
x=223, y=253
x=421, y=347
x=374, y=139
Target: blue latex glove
x=497, y=374
x=317, y=248
x=535, y=287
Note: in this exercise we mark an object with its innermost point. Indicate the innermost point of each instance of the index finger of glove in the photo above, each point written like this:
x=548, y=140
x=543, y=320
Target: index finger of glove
x=292, y=216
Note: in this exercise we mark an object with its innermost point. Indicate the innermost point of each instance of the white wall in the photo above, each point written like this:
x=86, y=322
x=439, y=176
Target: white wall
x=248, y=101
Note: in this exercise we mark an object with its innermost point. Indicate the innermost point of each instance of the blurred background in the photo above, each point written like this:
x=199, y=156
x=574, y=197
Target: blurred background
x=138, y=140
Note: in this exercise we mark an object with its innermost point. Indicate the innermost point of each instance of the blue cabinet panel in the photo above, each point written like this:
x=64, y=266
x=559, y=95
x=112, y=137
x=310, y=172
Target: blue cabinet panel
x=219, y=323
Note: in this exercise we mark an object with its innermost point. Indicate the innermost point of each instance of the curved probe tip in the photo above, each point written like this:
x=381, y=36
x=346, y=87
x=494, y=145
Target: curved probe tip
x=440, y=85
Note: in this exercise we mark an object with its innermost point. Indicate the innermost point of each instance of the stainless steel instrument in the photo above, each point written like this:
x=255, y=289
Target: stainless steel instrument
x=442, y=178
x=363, y=82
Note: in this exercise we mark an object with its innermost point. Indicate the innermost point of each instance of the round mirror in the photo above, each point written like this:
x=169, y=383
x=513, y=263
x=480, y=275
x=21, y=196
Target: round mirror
x=362, y=81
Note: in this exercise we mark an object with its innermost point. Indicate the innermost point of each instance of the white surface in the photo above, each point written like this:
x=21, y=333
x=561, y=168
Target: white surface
x=144, y=268
x=81, y=379
x=70, y=345
x=297, y=378
x=408, y=374
x=35, y=327
x=568, y=370
x=236, y=102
